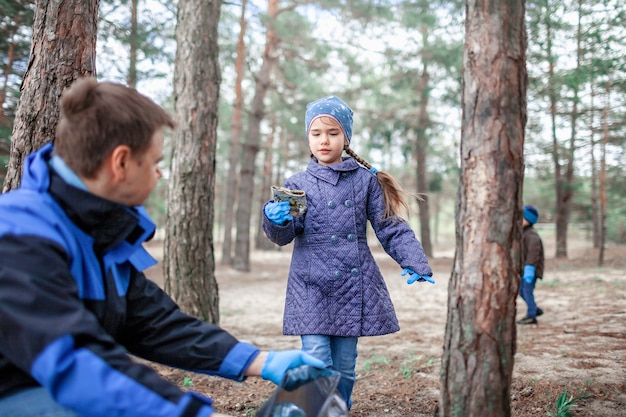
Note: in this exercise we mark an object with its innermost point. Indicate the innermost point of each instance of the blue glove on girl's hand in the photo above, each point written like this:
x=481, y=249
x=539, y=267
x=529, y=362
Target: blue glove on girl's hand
x=278, y=212
x=277, y=363
x=529, y=274
x=414, y=277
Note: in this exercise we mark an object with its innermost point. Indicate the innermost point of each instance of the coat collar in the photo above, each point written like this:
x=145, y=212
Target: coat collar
x=331, y=173
x=107, y=222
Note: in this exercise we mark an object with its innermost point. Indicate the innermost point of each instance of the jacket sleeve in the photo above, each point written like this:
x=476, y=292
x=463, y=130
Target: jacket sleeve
x=47, y=332
x=157, y=330
x=533, y=249
x=394, y=234
x=279, y=234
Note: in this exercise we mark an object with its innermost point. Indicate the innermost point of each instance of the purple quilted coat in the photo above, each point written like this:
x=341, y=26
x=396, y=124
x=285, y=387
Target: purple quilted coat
x=335, y=286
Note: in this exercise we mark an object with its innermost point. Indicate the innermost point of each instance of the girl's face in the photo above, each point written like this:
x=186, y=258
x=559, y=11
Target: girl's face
x=326, y=140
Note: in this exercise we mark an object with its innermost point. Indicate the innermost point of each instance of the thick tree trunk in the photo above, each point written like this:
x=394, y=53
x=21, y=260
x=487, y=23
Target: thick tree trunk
x=479, y=343
x=241, y=261
x=63, y=49
x=189, y=258
x=234, y=151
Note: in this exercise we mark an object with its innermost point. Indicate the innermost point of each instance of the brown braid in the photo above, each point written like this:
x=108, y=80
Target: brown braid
x=394, y=195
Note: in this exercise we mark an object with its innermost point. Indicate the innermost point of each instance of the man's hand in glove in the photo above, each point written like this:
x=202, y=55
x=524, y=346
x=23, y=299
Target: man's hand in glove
x=278, y=362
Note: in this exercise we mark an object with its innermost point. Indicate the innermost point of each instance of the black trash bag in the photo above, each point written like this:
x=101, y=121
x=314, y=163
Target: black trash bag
x=306, y=391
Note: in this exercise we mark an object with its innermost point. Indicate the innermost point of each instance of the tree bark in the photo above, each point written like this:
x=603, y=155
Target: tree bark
x=63, y=49
x=234, y=152
x=241, y=261
x=421, y=151
x=262, y=242
x=479, y=344
x=603, y=192
x=133, y=41
x=189, y=258
x=563, y=175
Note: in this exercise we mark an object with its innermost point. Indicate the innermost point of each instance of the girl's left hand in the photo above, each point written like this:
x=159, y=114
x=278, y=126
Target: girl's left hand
x=413, y=277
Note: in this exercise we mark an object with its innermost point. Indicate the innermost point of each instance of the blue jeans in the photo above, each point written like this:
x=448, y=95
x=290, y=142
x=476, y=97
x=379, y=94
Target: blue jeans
x=526, y=291
x=338, y=353
x=32, y=402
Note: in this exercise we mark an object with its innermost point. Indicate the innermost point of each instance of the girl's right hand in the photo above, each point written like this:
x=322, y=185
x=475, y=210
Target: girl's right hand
x=278, y=213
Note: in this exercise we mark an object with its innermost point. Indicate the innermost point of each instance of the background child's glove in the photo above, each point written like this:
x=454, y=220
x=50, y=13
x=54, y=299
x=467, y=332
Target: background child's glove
x=278, y=213
x=277, y=363
x=414, y=277
x=529, y=273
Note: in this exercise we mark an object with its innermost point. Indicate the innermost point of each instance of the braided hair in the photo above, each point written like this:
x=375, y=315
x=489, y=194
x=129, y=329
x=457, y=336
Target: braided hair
x=394, y=195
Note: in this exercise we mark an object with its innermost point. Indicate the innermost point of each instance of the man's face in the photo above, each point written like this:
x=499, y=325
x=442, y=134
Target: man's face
x=143, y=173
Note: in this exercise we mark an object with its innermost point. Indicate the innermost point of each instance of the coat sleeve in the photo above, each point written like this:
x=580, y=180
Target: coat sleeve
x=47, y=332
x=533, y=249
x=394, y=233
x=279, y=234
x=159, y=331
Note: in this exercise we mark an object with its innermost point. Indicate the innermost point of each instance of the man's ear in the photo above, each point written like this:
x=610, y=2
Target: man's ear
x=118, y=161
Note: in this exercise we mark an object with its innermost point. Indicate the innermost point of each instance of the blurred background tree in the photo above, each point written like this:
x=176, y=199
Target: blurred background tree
x=398, y=64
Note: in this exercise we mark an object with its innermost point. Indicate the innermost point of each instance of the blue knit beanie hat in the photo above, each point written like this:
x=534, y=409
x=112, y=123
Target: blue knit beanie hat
x=331, y=106
x=531, y=214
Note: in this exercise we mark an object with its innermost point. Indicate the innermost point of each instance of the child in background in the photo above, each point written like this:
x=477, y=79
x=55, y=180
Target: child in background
x=336, y=292
x=532, y=260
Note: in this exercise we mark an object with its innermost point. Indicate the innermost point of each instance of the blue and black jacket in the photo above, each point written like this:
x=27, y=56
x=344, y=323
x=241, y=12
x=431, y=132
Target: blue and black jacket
x=74, y=303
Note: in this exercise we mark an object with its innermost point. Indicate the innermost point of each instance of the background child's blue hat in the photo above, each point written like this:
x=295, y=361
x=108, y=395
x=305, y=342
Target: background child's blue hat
x=531, y=214
x=331, y=106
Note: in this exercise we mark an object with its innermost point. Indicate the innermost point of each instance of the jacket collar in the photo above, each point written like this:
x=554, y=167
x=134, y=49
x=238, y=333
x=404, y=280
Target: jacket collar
x=107, y=222
x=331, y=173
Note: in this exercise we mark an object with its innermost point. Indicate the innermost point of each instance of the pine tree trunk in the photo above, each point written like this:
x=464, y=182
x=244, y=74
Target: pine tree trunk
x=250, y=148
x=421, y=151
x=262, y=242
x=234, y=151
x=133, y=42
x=63, y=49
x=479, y=344
x=603, y=192
x=189, y=259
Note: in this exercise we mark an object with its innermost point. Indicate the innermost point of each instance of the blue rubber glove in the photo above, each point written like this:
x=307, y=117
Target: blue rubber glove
x=529, y=273
x=277, y=363
x=278, y=213
x=414, y=277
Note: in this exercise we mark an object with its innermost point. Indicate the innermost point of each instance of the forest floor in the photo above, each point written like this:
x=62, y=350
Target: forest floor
x=579, y=345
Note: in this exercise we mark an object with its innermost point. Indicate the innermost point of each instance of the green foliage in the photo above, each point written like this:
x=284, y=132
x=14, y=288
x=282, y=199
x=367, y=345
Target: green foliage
x=564, y=404
x=381, y=360
x=156, y=20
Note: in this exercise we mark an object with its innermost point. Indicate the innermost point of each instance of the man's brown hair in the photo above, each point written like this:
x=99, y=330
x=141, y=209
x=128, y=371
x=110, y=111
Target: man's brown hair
x=96, y=117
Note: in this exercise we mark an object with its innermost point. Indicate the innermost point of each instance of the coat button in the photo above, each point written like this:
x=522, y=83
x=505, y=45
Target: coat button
x=338, y=274
x=354, y=272
x=332, y=204
x=348, y=203
x=351, y=237
x=334, y=239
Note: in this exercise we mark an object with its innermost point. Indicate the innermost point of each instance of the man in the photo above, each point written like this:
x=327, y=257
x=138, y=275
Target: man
x=74, y=301
x=532, y=260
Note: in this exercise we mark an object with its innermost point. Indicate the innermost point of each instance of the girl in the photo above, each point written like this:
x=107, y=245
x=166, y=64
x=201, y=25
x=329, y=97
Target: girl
x=335, y=291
